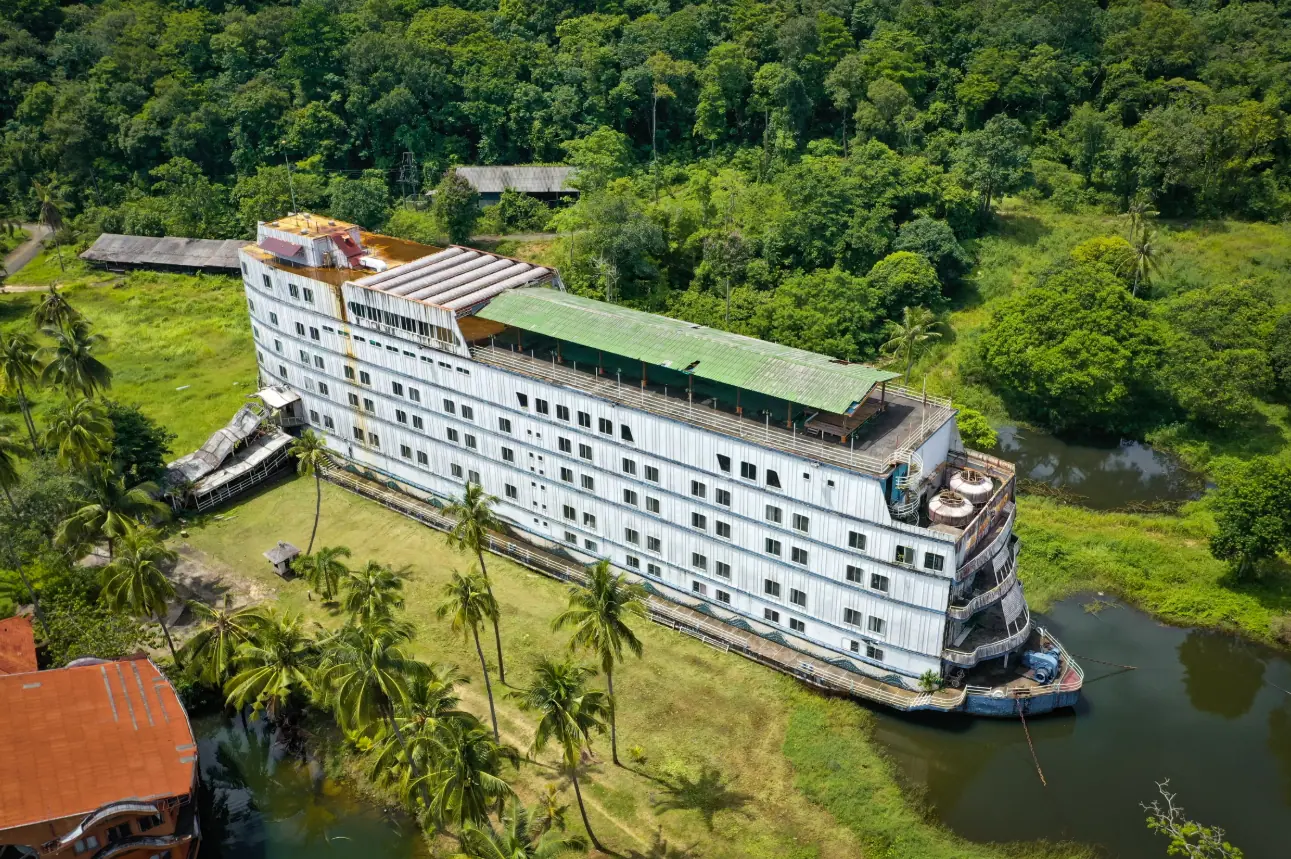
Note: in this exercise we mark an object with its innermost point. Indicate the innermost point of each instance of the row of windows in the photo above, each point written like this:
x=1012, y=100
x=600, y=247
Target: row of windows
x=404, y=323
x=294, y=290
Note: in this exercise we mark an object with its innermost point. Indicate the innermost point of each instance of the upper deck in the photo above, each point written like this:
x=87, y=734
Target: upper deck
x=378, y=251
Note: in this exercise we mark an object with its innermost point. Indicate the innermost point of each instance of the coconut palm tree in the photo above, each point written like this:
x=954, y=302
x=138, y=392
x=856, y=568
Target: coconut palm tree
x=108, y=510
x=598, y=613
x=568, y=713
x=366, y=672
x=276, y=664
x=432, y=702
x=468, y=603
x=521, y=835
x=80, y=432
x=211, y=651
x=72, y=364
x=466, y=781
x=51, y=214
x=10, y=450
x=909, y=337
x=475, y=519
x=1145, y=258
x=372, y=593
x=324, y=569
x=310, y=451
x=53, y=310
x=134, y=580
x=19, y=366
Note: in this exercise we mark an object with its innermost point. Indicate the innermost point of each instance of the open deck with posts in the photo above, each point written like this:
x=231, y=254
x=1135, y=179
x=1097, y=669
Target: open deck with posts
x=901, y=421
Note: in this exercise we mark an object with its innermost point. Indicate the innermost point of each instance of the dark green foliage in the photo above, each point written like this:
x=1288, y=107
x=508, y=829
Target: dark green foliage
x=1252, y=512
x=1280, y=356
x=79, y=625
x=517, y=213
x=935, y=241
x=364, y=201
x=139, y=444
x=456, y=207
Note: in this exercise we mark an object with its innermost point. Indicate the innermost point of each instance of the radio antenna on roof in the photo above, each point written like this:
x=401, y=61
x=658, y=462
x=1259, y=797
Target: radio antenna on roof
x=290, y=188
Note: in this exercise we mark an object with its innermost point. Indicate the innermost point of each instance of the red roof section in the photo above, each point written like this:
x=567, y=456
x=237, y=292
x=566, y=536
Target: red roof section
x=17, y=645
x=75, y=739
x=347, y=246
x=281, y=248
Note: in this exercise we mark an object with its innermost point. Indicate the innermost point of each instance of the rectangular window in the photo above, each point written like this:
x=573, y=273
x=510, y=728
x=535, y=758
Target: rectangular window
x=268, y=284
x=879, y=582
x=322, y=388
x=293, y=291
x=470, y=442
x=605, y=425
x=851, y=617
x=589, y=520
x=771, y=615
x=589, y=483
x=309, y=294
x=418, y=423
x=508, y=455
x=652, y=474
x=562, y=413
x=328, y=422
x=590, y=545
x=374, y=439
x=632, y=536
x=723, y=497
x=797, y=625
x=698, y=561
x=304, y=357
x=774, y=514
x=933, y=561
x=318, y=362
x=504, y=424
x=414, y=395
x=370, y=406
x=565, y=445
x=450, y=407
x=364, y=378
x=585, y=451
x=632, y=562
x=698, y=489
x=569, y=513
x=313, y=333
x=856, y=541
x=282, y=370
x=905, y=555
x=724, y=462
x=723, y=596
x=349, y=373
x=571, y=537
x=422, y=459
x=405, y=451
x=698, y=588
x=798, y=597
x=629, y=466
x=771, y=588
x=854, y=574
x=773, y=547
x=567, y=474
x=273, y=317
x=300, y=329
x=773, y=479
x=654, y=570
x=874, y=653
x=699, y=520
x=452, y=435
x=629, y=497
x=541, y=407
x=625, y=433
x=358, y=434
x=801, y=523
x=456, y=470
x=396, y=388
x=585, y=420
x=748, y=471
x=723, y=569
x=401, y=416
x=878, y=625
x=723, y=529
x=654, y=544
x=798, y=555
x=523, y=399
x=512, y=493
x=313, y=416
x=652, y=504
x=468, y=413
x=473, y=477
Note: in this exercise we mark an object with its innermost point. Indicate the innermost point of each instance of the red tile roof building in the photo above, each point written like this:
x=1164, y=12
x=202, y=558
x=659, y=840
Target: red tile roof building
x=97, y=760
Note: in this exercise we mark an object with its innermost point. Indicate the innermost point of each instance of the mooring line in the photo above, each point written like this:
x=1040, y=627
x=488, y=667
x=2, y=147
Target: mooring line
x=1105, y=662
x=1023, y=714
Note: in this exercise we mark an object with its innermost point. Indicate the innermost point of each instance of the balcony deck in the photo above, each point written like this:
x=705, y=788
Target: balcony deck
x=904, y=421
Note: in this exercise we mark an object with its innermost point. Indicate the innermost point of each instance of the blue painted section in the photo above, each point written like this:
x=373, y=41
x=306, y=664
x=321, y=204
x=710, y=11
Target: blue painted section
x=1008, y=708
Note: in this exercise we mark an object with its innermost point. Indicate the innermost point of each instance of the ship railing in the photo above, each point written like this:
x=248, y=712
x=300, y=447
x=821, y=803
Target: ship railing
x=990, y=649
x=96, y=817
x=988, y=597
x=992, y=548
x=1063, y=684
x=766, y=433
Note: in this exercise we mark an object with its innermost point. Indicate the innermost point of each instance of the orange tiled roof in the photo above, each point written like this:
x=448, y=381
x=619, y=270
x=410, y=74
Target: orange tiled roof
x=17, y=645
x=75, y=739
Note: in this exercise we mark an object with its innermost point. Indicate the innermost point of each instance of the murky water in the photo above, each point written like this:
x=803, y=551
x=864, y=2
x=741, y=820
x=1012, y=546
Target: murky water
x=1107, y=476
x=1207, y=711
x=259, y=802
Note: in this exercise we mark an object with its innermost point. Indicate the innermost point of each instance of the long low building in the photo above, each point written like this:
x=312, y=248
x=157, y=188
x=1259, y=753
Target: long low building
x=170, y=253
x=807, y=499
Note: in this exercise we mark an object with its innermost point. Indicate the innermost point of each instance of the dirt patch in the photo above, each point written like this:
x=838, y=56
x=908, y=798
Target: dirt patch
x=199, y=576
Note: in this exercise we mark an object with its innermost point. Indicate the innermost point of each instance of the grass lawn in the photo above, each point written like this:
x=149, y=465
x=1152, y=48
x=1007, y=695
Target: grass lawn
x=738, y=761
x=9, y=241
x=165, y=332
x=45, y=269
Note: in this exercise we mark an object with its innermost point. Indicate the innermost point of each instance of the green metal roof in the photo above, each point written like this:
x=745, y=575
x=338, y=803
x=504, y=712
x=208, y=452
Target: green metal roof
x=778, y=371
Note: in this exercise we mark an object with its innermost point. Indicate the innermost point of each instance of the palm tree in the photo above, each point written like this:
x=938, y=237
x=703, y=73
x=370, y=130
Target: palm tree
x=108, y=509
x=568, y=714
x=520, y=836
x=366, y=673
x=598, y=613
x=1145, y=258
x=310, y=451
x=324, y=570
x=273, y=666
x=431, y=703
x=909, y=337
x=466, y=781
x=53, y=310
x=10, y=449
x=211, y=651
x=19, y=366
x=72, y=364
x=80, y=432
x=468, y=602
x=373, y=593
x=475, y=519
x=134, y=581
x=51, y=214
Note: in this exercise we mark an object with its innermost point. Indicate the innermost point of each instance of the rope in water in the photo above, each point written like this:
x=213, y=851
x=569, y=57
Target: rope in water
x=1105, y=662
x=1023, y=714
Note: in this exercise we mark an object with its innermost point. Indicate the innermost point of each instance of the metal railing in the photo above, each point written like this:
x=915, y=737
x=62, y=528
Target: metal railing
x=992, y=547
x=96, y=817
x=766, y=434
x=990, y=649
x=988, y=597
x=1063, y=685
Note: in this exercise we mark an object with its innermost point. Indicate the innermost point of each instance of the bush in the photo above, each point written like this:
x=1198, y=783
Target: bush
x=974, y=430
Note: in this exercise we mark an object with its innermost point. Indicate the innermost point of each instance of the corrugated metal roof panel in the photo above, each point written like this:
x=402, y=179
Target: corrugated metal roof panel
x=533, y=179
x=779, y=371
x=170, y=250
